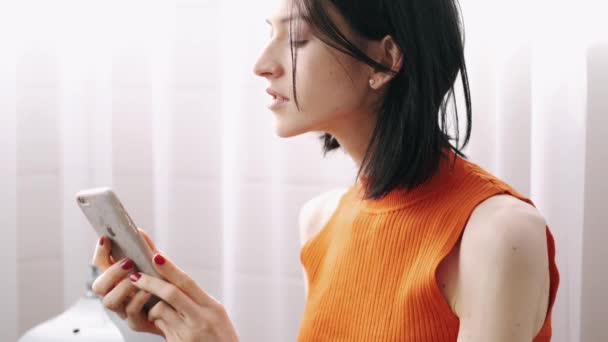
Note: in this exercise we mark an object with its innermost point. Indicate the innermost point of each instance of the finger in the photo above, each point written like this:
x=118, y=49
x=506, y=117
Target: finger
x=162, y=311
x=112, y=276
x=116, y=299
x=135, y=306
x=165, y=291
x=176, y=276
x=148, y=239
x=101, y=258
x=136, y=318
x=164, y=327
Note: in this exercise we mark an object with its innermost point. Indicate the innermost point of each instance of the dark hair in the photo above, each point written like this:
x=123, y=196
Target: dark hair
x=410, y=132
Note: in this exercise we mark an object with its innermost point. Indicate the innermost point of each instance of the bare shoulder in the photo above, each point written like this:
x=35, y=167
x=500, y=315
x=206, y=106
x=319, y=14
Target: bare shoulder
x=504, y=216
x=504, y=240
x=315, y=212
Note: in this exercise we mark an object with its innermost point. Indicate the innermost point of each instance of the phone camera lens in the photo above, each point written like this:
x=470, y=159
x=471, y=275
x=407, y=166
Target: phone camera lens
x=110, y=231
x=83, y=202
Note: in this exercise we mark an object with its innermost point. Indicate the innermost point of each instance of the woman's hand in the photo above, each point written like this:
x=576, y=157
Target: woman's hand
x=186, y=312
x=118, y=292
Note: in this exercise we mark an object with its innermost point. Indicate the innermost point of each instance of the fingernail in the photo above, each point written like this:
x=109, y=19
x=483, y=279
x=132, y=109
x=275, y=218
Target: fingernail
x=158, y=259
x=126, y=264
x=135, y=276
x=101, y=241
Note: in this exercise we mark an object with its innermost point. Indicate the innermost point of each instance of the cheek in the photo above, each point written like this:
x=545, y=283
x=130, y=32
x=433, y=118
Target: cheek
x=325, y=87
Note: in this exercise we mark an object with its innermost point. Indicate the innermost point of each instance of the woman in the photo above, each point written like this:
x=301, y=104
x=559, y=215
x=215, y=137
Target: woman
x=426, y=245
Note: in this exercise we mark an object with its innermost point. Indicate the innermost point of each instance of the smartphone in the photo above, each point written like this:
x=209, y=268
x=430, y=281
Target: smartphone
x=108, y=217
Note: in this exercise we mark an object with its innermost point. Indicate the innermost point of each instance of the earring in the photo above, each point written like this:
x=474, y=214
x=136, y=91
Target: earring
x=371, y=82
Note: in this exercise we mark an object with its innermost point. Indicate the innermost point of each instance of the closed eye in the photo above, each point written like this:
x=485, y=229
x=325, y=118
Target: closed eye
x=299, y=43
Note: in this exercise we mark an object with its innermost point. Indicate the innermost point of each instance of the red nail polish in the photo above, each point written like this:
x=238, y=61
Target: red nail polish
x=158, y=259
x=126, y=264
x=135, y=276
x=101, y=241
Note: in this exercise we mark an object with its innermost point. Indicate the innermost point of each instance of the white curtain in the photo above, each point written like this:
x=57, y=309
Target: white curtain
x=158, y=100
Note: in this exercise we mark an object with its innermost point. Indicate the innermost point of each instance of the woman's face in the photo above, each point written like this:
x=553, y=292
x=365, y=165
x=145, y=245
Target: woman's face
x=332, y=87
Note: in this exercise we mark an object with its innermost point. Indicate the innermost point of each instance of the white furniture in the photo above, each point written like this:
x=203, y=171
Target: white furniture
x=86, y=320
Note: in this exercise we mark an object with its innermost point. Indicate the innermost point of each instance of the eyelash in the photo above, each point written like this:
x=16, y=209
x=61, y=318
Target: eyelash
x=299, y=43
x=296, y=43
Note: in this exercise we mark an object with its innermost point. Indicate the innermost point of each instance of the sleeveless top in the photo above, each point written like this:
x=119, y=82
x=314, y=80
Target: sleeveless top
x=371, y=268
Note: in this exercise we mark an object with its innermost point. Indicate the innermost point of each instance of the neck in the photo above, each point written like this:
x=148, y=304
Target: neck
x=354, y=135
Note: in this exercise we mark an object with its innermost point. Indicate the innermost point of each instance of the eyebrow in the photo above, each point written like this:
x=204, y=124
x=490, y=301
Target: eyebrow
x=287, y=19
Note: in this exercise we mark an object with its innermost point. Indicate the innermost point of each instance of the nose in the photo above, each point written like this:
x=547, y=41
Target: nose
x=267, y=67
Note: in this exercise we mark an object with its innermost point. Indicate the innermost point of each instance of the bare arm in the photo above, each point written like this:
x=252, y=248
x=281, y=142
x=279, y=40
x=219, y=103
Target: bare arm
x=504, y=276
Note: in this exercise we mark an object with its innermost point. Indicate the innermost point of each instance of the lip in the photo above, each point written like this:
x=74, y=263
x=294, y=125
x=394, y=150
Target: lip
x=276, y=103
x=275, y=93
x=278, y=99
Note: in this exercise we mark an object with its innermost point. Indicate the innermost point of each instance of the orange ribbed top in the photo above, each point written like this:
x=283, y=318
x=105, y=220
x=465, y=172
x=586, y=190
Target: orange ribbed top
x=371, y=269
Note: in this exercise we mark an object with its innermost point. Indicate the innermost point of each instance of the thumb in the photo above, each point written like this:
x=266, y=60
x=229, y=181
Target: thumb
x=148, y=239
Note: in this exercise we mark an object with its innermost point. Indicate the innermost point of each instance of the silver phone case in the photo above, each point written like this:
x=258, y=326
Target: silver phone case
x=108, y=217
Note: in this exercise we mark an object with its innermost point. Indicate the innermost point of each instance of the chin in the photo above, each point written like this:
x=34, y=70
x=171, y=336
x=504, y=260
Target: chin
x=282, y=133
x=286, y=131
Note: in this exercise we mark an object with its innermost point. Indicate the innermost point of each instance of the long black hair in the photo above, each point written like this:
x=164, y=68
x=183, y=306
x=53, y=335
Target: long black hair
x=410, y=134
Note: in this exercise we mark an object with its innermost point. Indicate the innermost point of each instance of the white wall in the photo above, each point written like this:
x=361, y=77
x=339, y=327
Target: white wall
x=158, y=100
x=9, y=311
x=594, y=276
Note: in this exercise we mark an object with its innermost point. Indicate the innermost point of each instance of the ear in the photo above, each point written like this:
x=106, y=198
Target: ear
x=391, y=56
